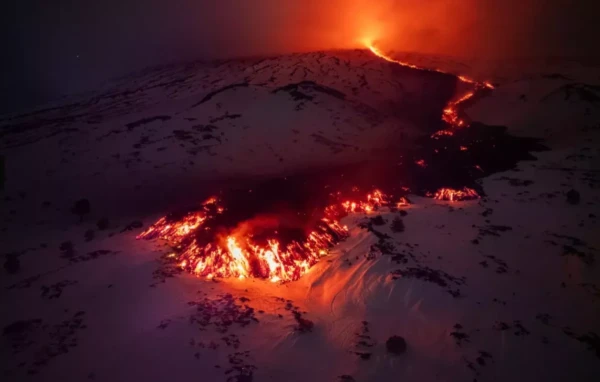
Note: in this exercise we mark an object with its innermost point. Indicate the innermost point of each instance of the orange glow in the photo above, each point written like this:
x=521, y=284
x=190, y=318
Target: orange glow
x=453, y=195
x=380, y=54
x=237, y=255
x=402, y=202
x=374, y=201
x=179, y=230
x=450, y=114
x=442, y=133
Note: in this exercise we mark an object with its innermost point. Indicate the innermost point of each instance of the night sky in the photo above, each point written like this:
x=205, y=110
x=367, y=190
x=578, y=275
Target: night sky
x=64, y=46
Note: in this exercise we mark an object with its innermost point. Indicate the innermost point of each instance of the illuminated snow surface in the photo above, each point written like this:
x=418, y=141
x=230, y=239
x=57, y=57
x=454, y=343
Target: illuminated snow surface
x=501, y=288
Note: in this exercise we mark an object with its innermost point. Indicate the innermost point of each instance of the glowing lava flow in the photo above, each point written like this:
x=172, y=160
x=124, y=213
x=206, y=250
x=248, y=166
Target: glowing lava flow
x=239, y=255
x=465, y=79
x=450, y=114
x=455, y=195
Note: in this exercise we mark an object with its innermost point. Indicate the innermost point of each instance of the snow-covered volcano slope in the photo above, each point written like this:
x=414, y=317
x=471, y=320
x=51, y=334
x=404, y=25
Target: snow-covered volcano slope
x=505, y=288
x=166, y=130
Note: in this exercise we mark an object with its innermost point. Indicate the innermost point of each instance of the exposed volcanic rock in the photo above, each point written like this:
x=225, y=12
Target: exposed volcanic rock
x=81, y=208
x=573, y=197
x=397, y=225
x=295, y=90
x=395, y=345
x=12, y=263
x=2, y=176
x=102, y=224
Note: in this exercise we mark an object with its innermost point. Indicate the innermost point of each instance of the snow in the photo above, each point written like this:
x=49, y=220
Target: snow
x=519, y=286
x=153, y=129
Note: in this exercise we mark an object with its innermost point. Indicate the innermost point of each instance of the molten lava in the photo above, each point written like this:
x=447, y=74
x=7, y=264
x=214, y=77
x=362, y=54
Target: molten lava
x=455, y=195
x=451, y=111
x=239, y=254
x=373, y=202
x=451, y=116
x=421, y=163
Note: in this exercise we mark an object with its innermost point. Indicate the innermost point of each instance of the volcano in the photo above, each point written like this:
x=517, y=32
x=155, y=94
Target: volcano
x=341, y=215
x=285, y=148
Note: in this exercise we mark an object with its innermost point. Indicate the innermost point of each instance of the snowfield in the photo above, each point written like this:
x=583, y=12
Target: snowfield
x=502, y=288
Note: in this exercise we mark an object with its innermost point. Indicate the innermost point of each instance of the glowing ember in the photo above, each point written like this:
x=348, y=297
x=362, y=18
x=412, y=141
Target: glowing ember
x=442, y=133
x=421, y=163
x=380, y=54
x=455, y=195
x=450, y=114
x=402, y=202
x=238, y=253
x=465, y=79
x=374, y=201
x=178, y=231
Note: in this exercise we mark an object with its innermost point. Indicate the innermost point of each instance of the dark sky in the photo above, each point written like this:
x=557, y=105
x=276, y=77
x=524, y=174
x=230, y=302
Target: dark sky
x=54, y=47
